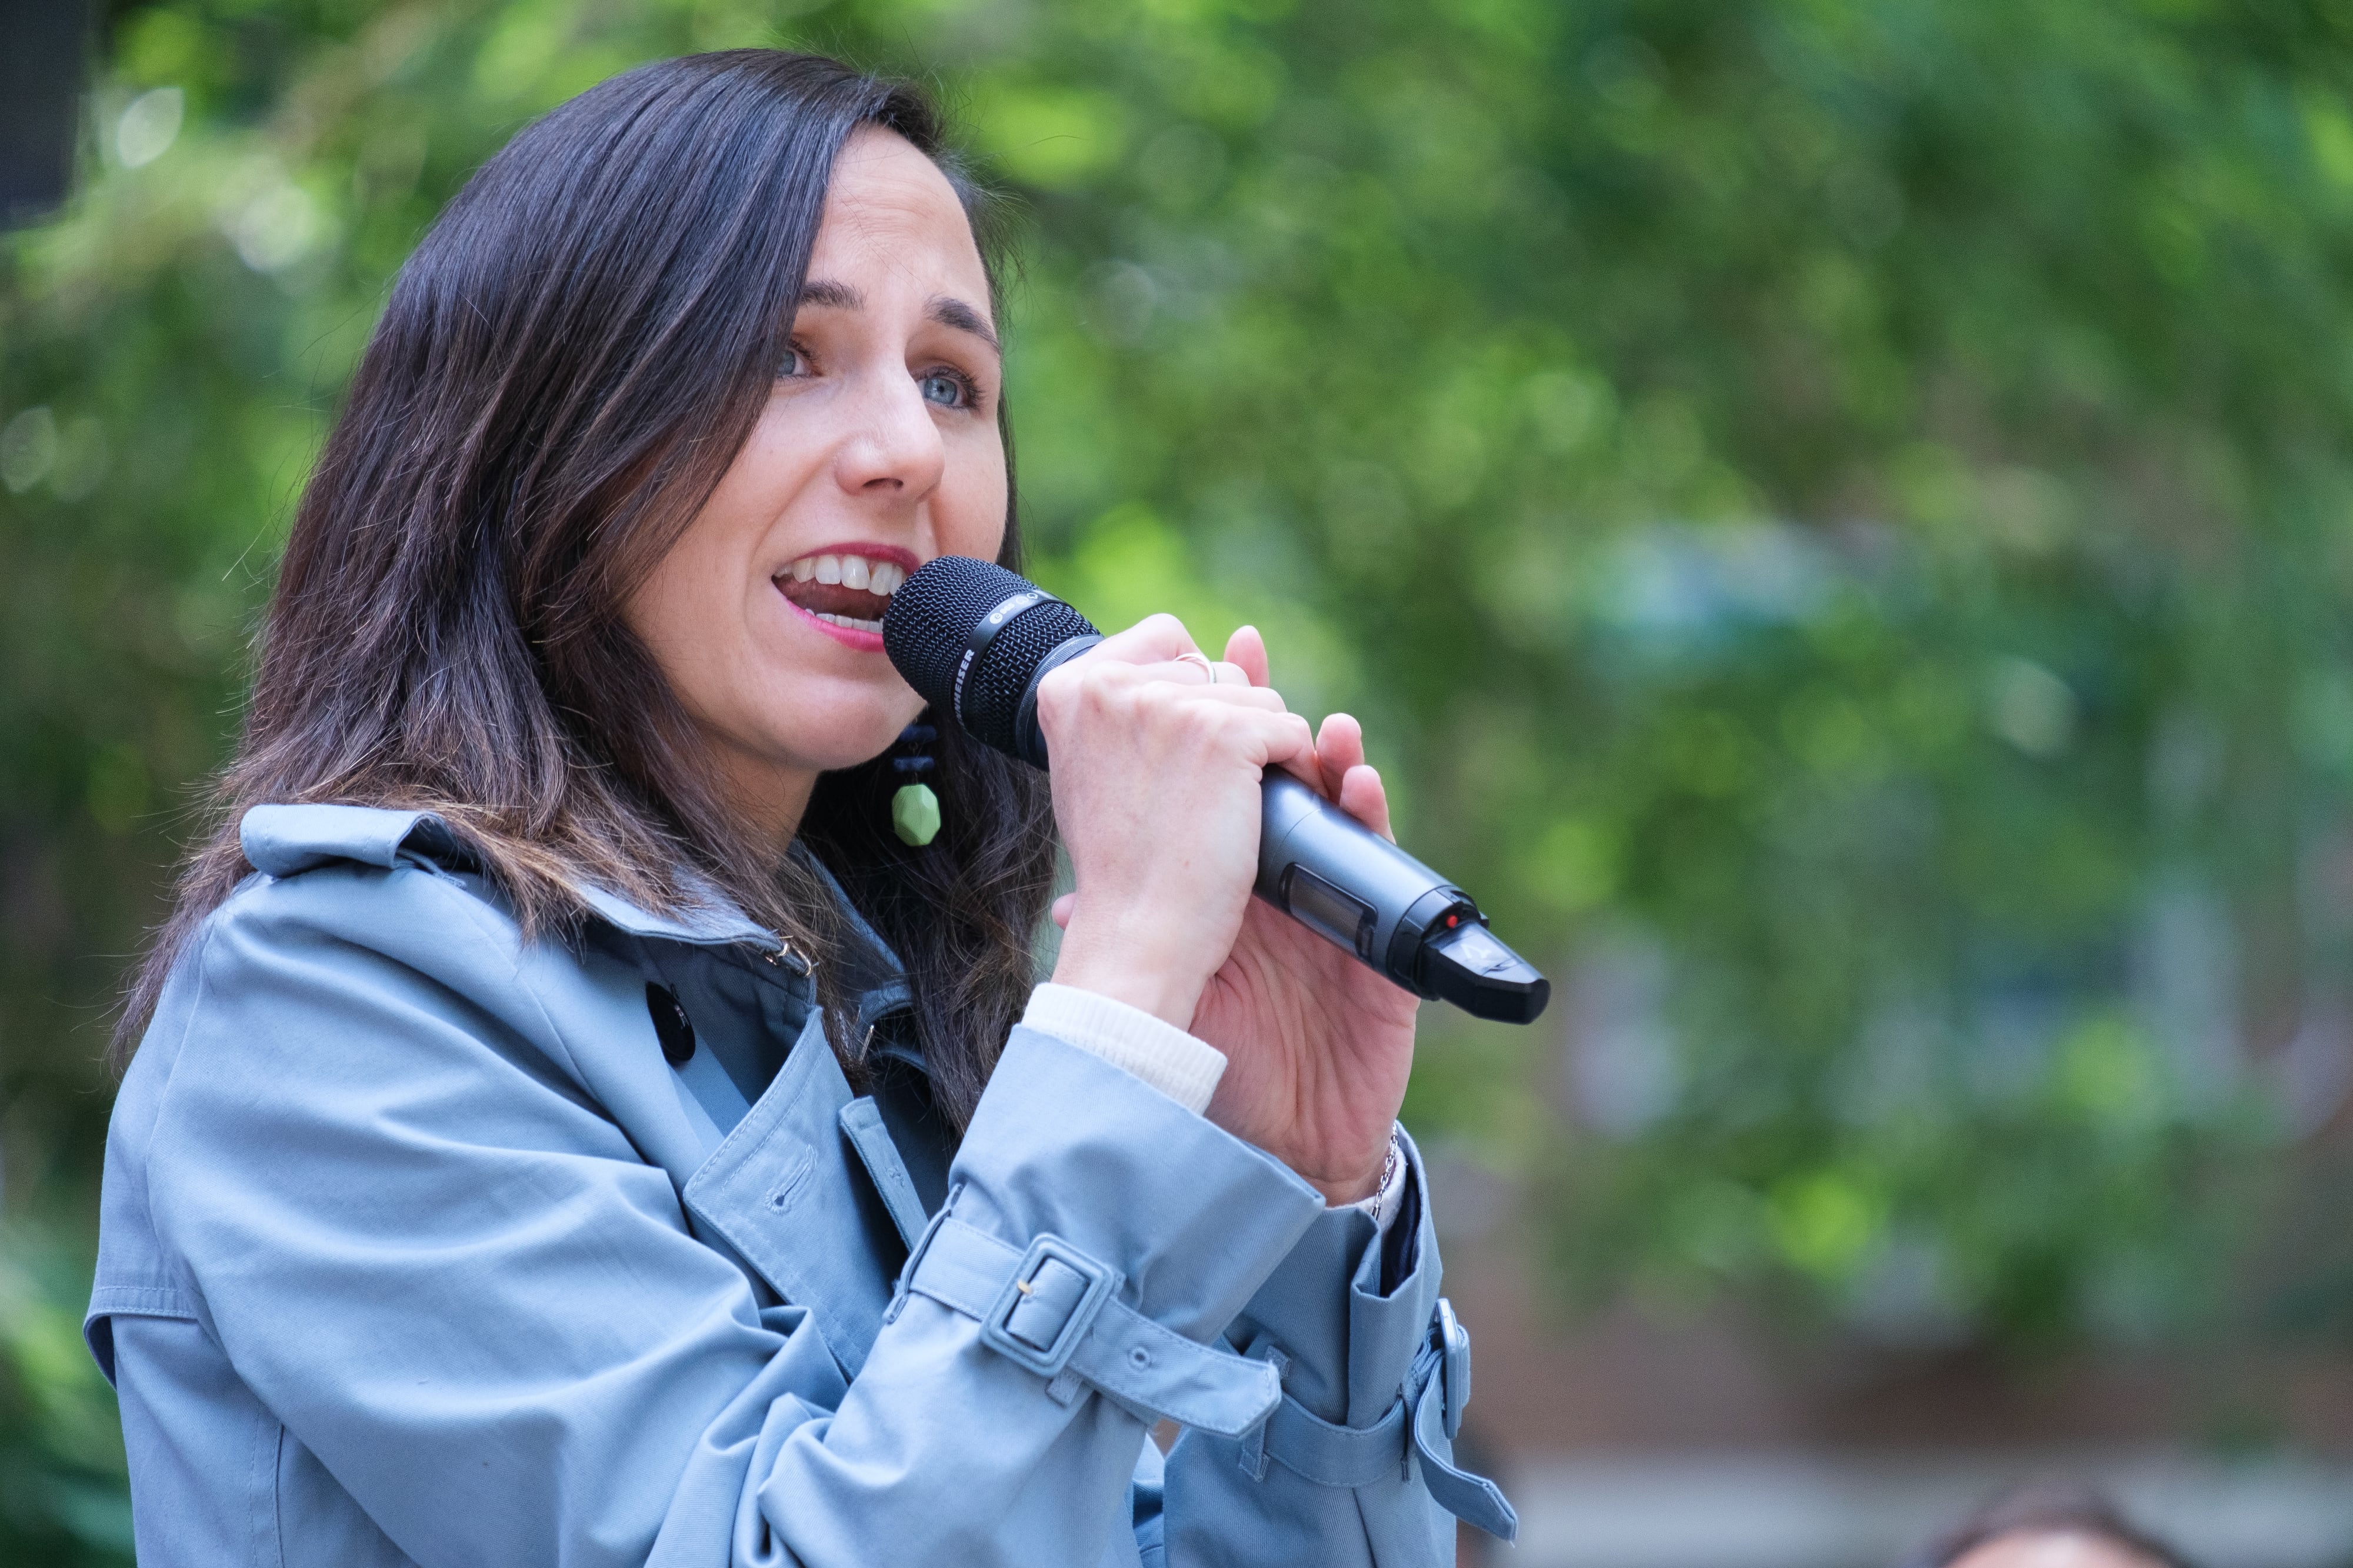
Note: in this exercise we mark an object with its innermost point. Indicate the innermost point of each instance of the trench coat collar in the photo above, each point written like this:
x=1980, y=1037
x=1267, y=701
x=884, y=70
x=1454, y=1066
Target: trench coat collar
x=281, y=840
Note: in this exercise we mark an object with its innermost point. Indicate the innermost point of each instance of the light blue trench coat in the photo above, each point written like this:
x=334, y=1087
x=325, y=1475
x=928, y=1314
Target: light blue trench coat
x=416, y=1248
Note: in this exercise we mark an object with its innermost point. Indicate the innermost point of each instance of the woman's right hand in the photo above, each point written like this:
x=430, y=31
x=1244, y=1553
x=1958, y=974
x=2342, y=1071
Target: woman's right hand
x=1156, y=773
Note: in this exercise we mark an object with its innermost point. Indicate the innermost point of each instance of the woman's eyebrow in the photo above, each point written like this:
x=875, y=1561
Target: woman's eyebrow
x=824, y=294
x=955, y=313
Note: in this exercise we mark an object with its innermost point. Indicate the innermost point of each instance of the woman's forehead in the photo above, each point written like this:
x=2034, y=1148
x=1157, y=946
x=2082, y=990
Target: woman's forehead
x=887, y=203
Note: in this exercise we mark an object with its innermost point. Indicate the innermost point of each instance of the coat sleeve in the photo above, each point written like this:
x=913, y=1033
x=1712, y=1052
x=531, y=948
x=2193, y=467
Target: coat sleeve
x=426, y=1250
x=1355, y=1465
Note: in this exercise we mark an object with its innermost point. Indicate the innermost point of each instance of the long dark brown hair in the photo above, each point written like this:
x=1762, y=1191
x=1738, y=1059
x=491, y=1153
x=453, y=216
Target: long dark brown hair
x=567, y=364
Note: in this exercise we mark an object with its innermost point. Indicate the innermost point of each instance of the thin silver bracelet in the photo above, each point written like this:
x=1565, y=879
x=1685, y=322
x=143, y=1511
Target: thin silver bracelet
x=1372, y=1205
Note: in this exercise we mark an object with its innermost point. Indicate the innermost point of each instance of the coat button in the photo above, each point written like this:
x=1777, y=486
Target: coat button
x=671, y=1027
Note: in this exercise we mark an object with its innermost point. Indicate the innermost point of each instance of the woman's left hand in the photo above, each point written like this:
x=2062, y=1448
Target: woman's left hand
x=1318, y=1046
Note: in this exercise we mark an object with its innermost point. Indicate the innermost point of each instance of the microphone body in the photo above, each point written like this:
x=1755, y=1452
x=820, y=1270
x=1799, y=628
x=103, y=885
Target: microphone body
x=975, y=640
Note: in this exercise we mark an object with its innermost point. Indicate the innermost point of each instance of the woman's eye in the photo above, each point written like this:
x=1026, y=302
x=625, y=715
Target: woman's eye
x=947, y=391
x=794, y=364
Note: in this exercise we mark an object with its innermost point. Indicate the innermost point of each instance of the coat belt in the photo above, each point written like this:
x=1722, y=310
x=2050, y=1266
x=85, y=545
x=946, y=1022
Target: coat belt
x=1054, y=1309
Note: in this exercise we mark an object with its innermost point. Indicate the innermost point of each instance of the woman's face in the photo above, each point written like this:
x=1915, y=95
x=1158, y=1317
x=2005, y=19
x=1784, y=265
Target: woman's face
x=877, y=451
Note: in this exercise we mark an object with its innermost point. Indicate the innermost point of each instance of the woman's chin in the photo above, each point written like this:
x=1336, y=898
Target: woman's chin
x=839, y=740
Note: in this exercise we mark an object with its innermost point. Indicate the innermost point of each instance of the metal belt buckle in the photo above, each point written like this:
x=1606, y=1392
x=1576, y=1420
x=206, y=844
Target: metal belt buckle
x=1454, y=1344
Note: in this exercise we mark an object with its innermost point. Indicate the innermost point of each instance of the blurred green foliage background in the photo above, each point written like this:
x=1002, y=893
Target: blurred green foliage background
x=1835, y=513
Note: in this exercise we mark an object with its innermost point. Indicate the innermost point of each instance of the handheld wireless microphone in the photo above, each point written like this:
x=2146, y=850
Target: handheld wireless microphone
x=975, y=639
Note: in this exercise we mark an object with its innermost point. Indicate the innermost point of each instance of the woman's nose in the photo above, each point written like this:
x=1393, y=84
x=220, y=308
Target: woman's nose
x=894, y=446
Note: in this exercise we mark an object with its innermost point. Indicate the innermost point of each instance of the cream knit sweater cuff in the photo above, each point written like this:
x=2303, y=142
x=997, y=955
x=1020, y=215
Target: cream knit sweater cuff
x=1167, y=1059
x=1161, y=1054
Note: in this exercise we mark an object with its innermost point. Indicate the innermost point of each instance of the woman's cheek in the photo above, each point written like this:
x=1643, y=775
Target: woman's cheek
x=973, y=523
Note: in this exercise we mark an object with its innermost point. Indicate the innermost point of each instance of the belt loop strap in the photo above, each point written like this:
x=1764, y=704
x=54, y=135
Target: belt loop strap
x=1253, y=1454
x=1335, y=1456
x=915, y=1258
x=1054, y=1308
x=1473, y=1499
x=1414, y=1429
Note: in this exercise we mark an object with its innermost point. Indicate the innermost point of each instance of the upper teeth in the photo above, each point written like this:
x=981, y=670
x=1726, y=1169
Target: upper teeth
x=882, y=577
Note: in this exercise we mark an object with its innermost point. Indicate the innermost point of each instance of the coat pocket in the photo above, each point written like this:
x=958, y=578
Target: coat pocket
x=790, y=1192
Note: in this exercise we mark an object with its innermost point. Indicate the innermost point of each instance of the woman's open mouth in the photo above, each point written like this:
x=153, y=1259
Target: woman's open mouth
x=847, y=591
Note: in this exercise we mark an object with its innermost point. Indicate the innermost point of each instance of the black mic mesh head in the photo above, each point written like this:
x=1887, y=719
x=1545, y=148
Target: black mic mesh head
x=930, y=623
x=931, y=618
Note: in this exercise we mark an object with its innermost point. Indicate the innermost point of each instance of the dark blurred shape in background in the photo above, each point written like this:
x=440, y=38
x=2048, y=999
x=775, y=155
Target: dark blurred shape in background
x=41, y=76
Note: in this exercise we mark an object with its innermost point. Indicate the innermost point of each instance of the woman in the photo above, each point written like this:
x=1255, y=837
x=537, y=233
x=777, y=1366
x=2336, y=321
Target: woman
x=569, y=1125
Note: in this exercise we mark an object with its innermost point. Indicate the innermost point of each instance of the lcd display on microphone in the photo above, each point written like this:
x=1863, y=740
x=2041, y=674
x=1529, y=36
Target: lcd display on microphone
x=1345, y=920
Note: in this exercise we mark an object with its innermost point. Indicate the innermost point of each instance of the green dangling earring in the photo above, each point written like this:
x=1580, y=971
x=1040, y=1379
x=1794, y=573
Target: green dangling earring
x=914, y=809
